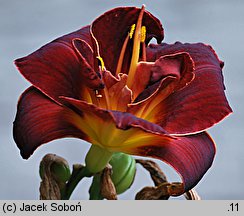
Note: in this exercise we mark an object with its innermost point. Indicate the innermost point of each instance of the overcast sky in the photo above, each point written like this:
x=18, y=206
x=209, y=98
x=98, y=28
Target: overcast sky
x=27, y=24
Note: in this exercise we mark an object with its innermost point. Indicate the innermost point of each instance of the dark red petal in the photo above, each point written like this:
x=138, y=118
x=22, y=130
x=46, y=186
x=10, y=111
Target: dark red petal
x=177, y=67
x=142, y=75
x=84, y=50
x=170, y=73
x=56, y=69
x=111, y=29
x=40, y=120
x=121, y=120
x=191, y=156
x=83, y=34
x=202, y=103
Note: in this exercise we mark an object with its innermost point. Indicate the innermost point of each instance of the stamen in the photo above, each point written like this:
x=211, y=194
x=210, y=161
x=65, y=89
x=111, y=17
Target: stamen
x=132, y=30
x=143, y=56
x=136, y=49
x=101, y=62
x=97, y=94
x=143, y=45
x=122, y=54
x=100, y=99
x=99, y=102
x=93, y=97
x=143, y=34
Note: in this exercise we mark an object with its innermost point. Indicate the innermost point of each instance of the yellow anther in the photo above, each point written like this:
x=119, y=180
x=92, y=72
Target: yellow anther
x=101, y=62
x=132, y=30
x=143, y=34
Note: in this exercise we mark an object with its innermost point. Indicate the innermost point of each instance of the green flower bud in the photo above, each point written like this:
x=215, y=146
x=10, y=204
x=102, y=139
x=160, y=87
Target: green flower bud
x=55, y=166
x=61, y=172
x=124, y=169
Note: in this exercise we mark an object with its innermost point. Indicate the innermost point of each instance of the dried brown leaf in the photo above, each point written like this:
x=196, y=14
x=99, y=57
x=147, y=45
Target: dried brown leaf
x=156, y=173
x=49, y=187
x=108, y=190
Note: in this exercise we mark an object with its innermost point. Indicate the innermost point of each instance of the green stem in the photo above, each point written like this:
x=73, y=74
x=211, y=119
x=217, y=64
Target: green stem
x=78, y=174
x=95, y=189
x=96, y=160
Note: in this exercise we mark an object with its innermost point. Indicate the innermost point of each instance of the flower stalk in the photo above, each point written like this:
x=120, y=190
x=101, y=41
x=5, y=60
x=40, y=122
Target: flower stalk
x=97, y=159
x=79, y=172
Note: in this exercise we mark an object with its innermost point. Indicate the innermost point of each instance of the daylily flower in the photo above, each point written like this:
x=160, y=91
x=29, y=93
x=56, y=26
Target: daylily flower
x=107, y=85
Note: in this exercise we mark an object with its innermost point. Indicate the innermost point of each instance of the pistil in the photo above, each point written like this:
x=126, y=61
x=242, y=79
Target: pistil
x=136, y=48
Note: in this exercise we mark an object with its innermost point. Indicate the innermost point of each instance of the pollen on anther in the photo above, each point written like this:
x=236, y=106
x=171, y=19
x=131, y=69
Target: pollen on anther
x=132, y=29
x=101, y=62
x=143, y=34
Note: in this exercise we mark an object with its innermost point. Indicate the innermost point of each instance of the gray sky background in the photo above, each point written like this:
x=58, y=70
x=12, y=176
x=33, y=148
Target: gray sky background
x=28, y=24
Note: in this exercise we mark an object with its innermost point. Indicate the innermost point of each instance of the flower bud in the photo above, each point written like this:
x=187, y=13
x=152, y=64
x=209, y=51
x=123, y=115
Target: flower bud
x=61, y=172
x=57, y=166
x=54, y=172
x=124, y=169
